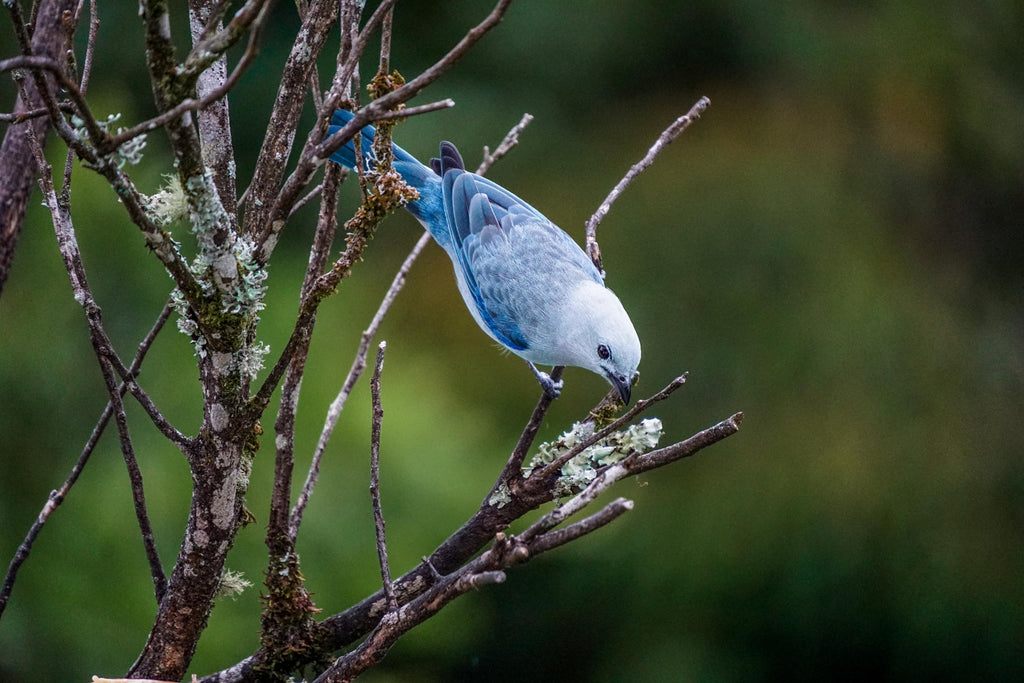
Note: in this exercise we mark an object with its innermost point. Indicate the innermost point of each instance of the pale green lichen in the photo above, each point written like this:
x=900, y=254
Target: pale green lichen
x=501, y=497
x=232, y=584
x=207, y=214
x=251, y=289
x=129, y=152
x=249, y=359
x=581, y=469
x=170, y=204
x=232, y=281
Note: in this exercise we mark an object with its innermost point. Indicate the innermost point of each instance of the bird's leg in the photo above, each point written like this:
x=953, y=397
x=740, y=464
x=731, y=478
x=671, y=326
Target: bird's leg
x=552, y=388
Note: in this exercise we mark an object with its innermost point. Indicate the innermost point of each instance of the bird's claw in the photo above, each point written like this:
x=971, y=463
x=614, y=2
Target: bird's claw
x=552, y=387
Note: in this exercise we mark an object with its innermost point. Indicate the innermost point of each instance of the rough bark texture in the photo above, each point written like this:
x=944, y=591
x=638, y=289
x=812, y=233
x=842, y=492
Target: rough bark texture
x=17, y=165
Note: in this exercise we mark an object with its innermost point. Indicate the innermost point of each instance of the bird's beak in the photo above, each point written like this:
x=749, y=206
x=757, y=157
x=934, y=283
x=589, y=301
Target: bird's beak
x=622, y=385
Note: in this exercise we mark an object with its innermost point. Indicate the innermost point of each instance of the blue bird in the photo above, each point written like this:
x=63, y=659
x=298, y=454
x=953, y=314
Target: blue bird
x=527, y=284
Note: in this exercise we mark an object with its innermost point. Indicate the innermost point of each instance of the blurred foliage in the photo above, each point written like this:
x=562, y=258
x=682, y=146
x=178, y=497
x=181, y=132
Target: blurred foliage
x=835, y=249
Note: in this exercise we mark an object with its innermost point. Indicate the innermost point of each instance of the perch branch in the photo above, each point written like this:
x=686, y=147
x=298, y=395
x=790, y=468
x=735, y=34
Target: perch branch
x=489, y=567
x=640, y=406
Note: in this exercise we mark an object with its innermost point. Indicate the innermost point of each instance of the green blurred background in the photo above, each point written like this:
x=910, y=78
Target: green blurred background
x=834, y=249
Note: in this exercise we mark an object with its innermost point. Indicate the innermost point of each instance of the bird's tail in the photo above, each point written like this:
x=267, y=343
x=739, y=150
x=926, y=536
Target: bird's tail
x=346, y=154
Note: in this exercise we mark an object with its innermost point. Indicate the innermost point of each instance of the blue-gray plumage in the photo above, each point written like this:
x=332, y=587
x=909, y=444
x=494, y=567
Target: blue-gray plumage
x=526, y=282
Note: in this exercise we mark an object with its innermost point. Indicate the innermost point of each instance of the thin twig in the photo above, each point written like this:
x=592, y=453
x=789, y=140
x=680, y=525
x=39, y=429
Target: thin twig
x=378, y=515
x=172, y=433
x=90, y=46
x=313, y=194
x=385, y=41
x=414, y=111
x=559, y=537
x=21, y=116
x=105, y=354
x=58, y=496
x=90, y=50
x=284, y=425
x=354, y=373
x=506, y=145
x=20, y=30
x=667, y=136
x=684, y=449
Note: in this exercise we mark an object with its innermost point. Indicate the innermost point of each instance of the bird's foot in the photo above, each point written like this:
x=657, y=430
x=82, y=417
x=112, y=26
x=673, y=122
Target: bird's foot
x=552, y=387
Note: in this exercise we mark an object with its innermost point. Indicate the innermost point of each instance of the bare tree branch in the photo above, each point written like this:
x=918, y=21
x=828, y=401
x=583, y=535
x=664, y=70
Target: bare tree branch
x=667, y=136
x=278, y=536
x=90, y=50
x=319, y=18
x=354, y=373
x=559, y=537
x=415, y=111
x=106, y=356
x=57, y=497
x=378, y=515
x=17, y=163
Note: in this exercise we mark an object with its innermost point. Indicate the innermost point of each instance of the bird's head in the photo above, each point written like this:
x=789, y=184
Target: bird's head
x=604, y=340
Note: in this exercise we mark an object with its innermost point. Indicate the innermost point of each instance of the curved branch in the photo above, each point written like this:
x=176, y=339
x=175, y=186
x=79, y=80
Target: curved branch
x=667, y=136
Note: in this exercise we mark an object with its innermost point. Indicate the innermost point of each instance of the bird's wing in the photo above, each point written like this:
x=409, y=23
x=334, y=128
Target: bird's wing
x=512, y=258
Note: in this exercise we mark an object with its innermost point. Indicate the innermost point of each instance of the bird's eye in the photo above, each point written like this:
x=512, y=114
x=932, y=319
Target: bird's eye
x=603, y=352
